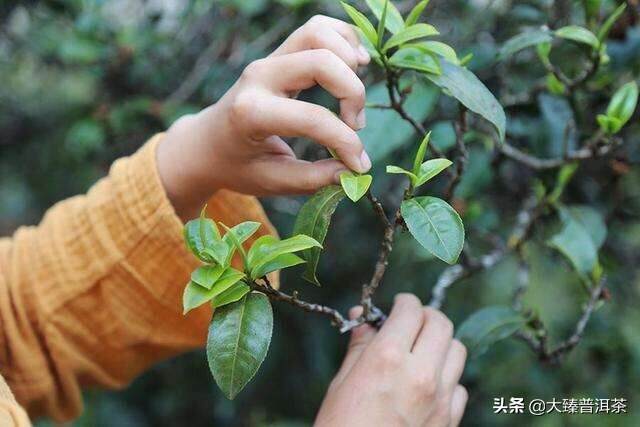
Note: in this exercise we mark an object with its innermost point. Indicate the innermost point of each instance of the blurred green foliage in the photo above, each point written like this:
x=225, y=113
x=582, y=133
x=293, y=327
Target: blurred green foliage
x=87, y=81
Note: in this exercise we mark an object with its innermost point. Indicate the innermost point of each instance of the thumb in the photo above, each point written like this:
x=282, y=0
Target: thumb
x=360, y=339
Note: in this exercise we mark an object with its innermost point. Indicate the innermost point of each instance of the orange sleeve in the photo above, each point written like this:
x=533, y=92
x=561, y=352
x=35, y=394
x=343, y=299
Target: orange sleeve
x=93, y=294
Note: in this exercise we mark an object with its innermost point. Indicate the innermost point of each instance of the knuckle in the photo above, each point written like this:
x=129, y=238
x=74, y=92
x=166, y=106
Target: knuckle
x=253, y=69
x=460, y=348
x=324, y=56
x=407, y=300
x=317, y=20
x=443, y=322
x=242, y=108
x=389, y=355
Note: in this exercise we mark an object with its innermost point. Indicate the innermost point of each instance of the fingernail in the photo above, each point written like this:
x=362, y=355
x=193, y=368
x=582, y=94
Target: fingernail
x=361, y=119
x=365, y=161
x=363, y=54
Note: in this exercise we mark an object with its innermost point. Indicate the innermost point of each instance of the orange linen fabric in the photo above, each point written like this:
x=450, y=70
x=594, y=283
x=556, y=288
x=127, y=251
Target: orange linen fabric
x=92, y=296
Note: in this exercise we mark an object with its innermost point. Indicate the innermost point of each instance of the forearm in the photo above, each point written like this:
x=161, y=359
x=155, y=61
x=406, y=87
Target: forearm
x=93, y=294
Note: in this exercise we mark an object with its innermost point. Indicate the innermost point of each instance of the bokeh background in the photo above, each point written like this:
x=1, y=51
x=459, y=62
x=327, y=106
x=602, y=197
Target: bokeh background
x=84, y=82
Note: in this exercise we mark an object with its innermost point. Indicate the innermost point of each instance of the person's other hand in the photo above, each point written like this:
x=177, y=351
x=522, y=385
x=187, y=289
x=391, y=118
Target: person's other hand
x=404, y=375
x=237, y=143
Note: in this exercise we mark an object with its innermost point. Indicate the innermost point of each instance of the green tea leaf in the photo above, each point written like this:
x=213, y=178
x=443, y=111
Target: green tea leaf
x=416, y=12
x=578, y=34
x=437, y=48
x=219, y=252
x=415, y=59
x=381, y=23
x=280, y=262
x=195, y=295
x=610, y=125
x=362, y=23
x=416, y=31
x=231, y=295
x=207, y=275
x=265, y=252
x=575, y=243
x=463, y=85
x=393, y=21
x=238, y=341
x=243, y=231
x=430, y=169
x=623, y=103
x=399, y=170
x=355, y=186
x=591, y=220
x=313, y=220
x=420, y=154
x=488, y=326
x=199, y=234
x=435, y=225
x=606, y=27
x=523, y=41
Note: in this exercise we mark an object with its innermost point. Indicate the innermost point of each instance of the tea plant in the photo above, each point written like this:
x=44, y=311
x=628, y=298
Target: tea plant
x=403, y=49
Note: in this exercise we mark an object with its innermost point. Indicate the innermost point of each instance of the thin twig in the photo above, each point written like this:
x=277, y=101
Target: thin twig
x=538, y=163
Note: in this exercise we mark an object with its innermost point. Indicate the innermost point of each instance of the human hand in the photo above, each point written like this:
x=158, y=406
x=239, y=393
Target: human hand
x=236, y=143
x=404, y=375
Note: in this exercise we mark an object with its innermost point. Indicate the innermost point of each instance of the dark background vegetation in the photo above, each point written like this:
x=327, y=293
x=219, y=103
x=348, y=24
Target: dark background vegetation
x=87, y=81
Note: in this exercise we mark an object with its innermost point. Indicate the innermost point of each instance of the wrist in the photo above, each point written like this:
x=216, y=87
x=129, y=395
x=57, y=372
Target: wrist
x=186, y=163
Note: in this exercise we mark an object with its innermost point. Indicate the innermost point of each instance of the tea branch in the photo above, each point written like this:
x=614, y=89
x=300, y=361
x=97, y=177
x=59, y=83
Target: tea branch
x=538, y=340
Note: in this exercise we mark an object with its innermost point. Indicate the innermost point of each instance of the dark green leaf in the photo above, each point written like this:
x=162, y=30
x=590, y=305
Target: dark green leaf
x=523, y=41
x=575, y=243
x=376, y=136
x=488, y=326
x=591, y=220
x=416, y=12
x=435, y=225
x=238, y=341
x=278, y=263
x=355, y=186
x=463, y=85
x=394, y=21
x=313, y=220
x=416, y=31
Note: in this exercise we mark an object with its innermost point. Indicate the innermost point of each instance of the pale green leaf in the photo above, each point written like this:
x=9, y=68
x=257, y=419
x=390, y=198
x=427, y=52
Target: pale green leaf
x=393, y=21
x=623, y=103
x=362, y=23
x=313, y=220
x=487, y=326
x=416, y=12
x=591, y=220
x=200, y=234
x=196, y=295
x=259, y=255
x=399, y=170
x=355, y=186
x=238, y=341
x=603, y=32
x=578, y=34
x=207, y=275
x=437, y=48
x=280, y=262
x=243, y=231
x=463, y=85
x=523, y=41
x=435, y=225
x=430, y=169
x=420, y=154
x=415, y=59
x=416, y=31
x=231, y=295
